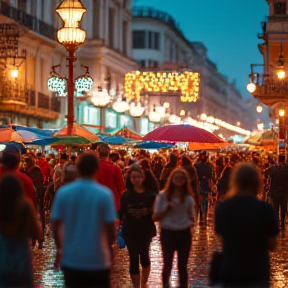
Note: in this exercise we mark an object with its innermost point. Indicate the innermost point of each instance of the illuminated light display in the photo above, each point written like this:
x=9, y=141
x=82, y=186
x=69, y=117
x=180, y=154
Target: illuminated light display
x=186, y=83
x=57, y=84
x=83, y=84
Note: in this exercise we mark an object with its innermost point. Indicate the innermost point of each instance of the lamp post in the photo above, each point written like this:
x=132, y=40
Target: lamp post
x=71, y=36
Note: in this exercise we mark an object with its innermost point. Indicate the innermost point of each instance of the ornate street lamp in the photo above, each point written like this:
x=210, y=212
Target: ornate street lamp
x=259, y=109
x=71, y=36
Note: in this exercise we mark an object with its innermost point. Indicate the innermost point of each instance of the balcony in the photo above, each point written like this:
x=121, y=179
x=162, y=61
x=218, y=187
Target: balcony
x=27, y=20
x=270, y=90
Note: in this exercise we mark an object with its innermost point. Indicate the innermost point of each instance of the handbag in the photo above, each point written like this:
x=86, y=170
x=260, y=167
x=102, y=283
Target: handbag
x=120, y=240
x=215, y=268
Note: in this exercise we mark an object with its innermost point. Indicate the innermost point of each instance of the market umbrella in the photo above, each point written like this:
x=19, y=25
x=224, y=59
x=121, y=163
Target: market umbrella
x=13, y=146
x=114, y=140
x=79, y=131
x=154, y=145
x=206, y=146
x=182, y=133
x=63, y=140
x=8, y=134
x=41, y=133
x=127, y=133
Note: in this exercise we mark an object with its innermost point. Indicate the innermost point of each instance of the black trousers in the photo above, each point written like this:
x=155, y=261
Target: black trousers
x=92, y=279
x=179, y=241
x=138, y=247
x=280, y=201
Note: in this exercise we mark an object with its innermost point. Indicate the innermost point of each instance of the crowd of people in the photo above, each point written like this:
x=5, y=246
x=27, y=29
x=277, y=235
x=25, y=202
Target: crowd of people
x=89, y=197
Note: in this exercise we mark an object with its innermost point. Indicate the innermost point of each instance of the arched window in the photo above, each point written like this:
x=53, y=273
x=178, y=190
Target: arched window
x=280, y=8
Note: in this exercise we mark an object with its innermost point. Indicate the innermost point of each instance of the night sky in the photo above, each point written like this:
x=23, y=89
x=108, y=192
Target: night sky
x=228, y=28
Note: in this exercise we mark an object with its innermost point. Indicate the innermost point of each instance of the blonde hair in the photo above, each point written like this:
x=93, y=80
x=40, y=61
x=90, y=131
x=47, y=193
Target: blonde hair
x=186, y=189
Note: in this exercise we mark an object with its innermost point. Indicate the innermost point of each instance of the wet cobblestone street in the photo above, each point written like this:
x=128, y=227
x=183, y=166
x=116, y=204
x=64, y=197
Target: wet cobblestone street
x=204, y=243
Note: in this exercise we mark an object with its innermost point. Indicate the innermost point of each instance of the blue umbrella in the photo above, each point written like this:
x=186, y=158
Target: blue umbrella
x=41, y=133
x=116, y=140
x=13, y=146
x=154, y=145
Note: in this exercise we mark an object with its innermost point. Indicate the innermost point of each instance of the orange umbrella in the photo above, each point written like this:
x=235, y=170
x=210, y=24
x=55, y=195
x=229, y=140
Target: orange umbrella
x=8, y=134
x=206, y=146
x=80, y=131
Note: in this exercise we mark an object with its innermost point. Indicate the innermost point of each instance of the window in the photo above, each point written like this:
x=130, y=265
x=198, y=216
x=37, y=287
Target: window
x=138, y=39
x=141, y=63
x=153, y=40
x=111, y=27
x=280, y=8
x=152, y=64
x=125, y=29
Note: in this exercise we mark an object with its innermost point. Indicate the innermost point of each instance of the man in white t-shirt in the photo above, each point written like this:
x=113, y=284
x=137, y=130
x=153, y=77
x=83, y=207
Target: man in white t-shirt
x=85, y=210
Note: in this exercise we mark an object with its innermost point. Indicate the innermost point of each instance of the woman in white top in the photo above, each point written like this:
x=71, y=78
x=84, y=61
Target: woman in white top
x=175, y=210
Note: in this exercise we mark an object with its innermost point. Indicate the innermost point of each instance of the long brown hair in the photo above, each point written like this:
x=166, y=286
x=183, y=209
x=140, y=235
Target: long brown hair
x=186, y=189
x=12, y=201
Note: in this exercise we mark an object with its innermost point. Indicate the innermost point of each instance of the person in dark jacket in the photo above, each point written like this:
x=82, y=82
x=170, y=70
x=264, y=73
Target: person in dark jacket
x=36, y=176
x=186, y=164
x=150, y=181
x=171, y=165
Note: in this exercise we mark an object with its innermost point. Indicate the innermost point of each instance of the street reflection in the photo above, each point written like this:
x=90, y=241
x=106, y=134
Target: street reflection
x=204, y=243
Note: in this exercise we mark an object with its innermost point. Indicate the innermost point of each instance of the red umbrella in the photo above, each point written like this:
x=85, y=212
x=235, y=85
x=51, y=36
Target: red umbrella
x=182, y=133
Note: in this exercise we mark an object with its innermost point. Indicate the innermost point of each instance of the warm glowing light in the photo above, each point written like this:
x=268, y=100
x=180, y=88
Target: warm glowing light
x=251, y=87
x=186, y=83
x=203, y=117
x=14, y=73
x=174, y=119
x=281, y=74
x=238, y=123
x=120, y=105
x=71, y=13
x=259, y=109
x=136, y=110
x=166, y=105
x=100, y=98
x=182, y=113
x=281, y=113
x=260, y=126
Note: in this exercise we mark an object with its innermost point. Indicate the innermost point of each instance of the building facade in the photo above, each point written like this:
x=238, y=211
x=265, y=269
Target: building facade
x=159, y=44
x=106, y=51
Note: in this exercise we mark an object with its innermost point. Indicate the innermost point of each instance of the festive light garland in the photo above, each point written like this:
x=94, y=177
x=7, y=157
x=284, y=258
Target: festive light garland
x=185, y=82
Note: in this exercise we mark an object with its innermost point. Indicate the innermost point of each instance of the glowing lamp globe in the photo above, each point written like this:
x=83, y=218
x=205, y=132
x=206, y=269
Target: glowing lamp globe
x=203, y=117
x=136, y=110
x=120, y=105
x=281, y=74
x=259, y=109
x=14, y=73
x=100, y=98
x=251, y=87
x=281, y=113
x=71, y=13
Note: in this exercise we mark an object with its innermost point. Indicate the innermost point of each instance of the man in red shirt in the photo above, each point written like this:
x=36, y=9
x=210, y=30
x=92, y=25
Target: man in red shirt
x=110, y=175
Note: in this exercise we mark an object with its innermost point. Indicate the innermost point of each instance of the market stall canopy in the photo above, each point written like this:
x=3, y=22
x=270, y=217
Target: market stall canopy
x=182, y=133
x=41, y=133
x=154, y=145
x=79, y=131
x=206, y=146
x=254, y=138
x=115, y=140
x=129, y=134
x=58, y=141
